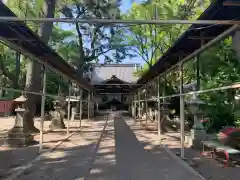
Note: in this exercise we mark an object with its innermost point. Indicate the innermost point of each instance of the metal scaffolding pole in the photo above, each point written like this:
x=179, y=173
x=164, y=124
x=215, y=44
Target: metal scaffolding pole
x=69, y=106
x=120, y=21
x=139, y=105
x=89, y=105
x=146, y=103
x=80, y=108
x=132, y=105
x=92, y=104
x=159, y=107
x=135, y=106
x=31, y=92
x=43, y=108
x=182, y=122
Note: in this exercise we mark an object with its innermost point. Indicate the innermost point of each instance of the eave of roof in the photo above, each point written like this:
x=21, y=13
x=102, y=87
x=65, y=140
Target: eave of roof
x=21, y=38
x=185, y=46
x=116, y=65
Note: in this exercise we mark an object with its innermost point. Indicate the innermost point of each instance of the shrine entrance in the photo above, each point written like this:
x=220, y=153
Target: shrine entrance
x=113, y=84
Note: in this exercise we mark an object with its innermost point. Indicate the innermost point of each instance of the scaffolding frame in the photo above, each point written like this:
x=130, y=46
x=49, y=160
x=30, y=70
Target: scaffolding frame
x=179, y=65
x=108, y=22
x=181, y=94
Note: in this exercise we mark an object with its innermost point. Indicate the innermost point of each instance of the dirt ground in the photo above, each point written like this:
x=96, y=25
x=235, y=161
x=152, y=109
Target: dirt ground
x=12, y=159
x=209, y=168
x=83, y=145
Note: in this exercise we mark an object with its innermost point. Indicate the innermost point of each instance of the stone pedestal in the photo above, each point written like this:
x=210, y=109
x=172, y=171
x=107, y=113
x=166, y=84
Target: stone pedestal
x=57, y=120
x=197, y=134
x=19, y=135
x=164, y=111
x=56, y=124
x=58, y=115
x=133, y=110
x=195, y=137
x=150, y=113
x=97, y=107
x=74, y=112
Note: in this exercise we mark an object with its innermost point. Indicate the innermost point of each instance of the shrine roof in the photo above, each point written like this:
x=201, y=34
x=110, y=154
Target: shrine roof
x=103, y=73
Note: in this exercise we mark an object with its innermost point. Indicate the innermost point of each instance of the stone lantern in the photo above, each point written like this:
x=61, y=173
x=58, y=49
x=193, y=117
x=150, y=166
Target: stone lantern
x=164, y=111
x=19, y=135
x=164, y=107
x=73, y=103
x=58, y=114
x=197, y=133
x=193, y=106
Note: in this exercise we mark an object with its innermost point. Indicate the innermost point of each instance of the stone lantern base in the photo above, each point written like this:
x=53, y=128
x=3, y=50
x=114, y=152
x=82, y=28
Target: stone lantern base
x=57, y=119
x=195, y=137
x=57, y=124
x=18, y=135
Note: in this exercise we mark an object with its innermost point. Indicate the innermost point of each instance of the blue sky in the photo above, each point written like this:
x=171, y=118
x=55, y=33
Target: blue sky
x=125, y=6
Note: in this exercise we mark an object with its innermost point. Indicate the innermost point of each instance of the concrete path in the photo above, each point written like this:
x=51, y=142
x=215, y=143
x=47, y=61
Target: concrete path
x=111, y=150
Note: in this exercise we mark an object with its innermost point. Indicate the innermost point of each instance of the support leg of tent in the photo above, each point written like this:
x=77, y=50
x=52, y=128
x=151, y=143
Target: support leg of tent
x=92, y=105
x=159, y=108
x=146, y=104
x=181, y=109
x=132, y=106
x=80, y=108
x=89, y=105
x=69, y=107
x=43, y=108
x=135, y=107
x=139, y=106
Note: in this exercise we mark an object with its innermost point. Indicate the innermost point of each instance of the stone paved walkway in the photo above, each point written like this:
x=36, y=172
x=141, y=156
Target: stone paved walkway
x=119, y=152
x=121, y=156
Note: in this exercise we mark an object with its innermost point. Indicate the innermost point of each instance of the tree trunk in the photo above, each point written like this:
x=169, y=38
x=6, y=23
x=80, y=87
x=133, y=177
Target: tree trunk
x=33, y=76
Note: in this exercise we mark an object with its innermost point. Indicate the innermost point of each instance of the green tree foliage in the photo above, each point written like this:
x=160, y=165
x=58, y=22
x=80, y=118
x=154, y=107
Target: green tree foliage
x=86, y=44
x=96, y=41
x=150, y=42
x=218, y=65
x=81, y=47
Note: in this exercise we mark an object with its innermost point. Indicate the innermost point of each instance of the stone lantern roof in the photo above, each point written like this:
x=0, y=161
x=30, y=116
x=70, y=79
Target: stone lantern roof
x=20, y=99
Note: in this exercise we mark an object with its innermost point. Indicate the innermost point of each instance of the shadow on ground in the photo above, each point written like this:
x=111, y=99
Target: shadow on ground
x=122, y=154
x=134, y=159
x=209, y=168
x=15, y=159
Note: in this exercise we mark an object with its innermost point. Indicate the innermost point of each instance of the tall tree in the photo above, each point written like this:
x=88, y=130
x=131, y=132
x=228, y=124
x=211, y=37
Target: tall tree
x=33, y=76
x=39, y=8
x=96, y=40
